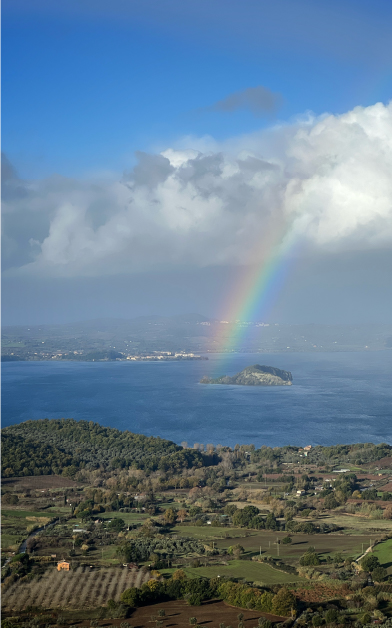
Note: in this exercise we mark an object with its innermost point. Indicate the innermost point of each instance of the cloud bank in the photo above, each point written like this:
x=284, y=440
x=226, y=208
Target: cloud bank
x=324, y=181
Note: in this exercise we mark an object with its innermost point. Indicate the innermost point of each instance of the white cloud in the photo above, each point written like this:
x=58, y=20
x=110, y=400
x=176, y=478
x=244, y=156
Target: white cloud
x=324, y=180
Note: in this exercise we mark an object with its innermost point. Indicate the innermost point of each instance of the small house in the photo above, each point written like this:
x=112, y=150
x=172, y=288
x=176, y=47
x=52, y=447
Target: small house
x=63, y=565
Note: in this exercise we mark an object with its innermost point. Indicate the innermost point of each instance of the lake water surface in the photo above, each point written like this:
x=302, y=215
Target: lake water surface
x=335, y=398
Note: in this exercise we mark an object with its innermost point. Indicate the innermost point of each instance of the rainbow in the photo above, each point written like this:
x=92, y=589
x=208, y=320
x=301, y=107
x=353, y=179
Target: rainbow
x=254, y=294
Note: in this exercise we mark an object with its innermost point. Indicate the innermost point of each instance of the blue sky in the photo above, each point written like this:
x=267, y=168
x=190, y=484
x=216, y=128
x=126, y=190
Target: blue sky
x=162, y=147
x=85, y=84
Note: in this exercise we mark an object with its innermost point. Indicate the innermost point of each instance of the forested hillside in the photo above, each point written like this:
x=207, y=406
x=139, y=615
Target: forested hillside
x=64, y=445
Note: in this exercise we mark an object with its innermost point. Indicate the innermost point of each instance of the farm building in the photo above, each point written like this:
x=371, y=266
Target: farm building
x=63, y=565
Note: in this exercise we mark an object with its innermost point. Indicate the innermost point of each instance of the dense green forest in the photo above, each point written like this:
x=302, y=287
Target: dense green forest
x=63, y=446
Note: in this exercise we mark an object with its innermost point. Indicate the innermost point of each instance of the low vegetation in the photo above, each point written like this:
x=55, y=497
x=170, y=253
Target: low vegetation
x=281, y=533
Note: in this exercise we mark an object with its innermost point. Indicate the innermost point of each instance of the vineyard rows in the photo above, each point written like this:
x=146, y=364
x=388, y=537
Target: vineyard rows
x=81, y=588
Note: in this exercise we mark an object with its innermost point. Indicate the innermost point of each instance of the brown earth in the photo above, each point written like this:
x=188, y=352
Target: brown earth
x=210, y=614
x=383, y=463
x=37, y=482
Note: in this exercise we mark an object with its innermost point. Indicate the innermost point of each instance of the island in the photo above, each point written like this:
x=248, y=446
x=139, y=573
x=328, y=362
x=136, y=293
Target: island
x=255, y=375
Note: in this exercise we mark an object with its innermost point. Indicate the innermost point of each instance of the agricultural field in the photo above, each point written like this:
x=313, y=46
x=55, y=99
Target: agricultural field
x=211, y=613
x=211, y=532
x=383, y=551
x=264, y=541
x=243, y=569
x=128, y=517
x=82, y=587
x=357, y=524
x=38, y=482
x=16, y=524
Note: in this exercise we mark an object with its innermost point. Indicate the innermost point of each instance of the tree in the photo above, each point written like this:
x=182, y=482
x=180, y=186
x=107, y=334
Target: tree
x=309, y=559
x=379, y=573
x=130, y=596
x=271, y=523
x=287, y=539
x=284, y=602
x=193, y=621
x=170, y=516
x=117, y=524
x=182, y=514
x=330, y=502
x=179, y=574
x=236, y=550
x=8, y=498
x=338, y=558
x=331, y=616
x=230, y=509
x=370, y=562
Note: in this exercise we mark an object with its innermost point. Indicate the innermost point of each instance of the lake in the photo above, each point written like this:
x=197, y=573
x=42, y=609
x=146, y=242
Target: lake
x=335, y=398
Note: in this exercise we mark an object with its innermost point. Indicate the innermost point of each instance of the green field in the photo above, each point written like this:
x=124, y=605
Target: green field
x=358, y=525
x=22, y=514
x=176, y=505
x=249, y=570
x=14, y=526
x=210, y=532
x=13, y=344
x=383, y=551
x=264, y=541
x=128, y=517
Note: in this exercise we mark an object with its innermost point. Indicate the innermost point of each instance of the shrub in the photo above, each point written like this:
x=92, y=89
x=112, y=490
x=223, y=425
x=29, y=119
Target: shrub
x=331, y=616
x=370, y=562
x=308, y=559
x=284, y=602
x=131, y=597
x=379, y=573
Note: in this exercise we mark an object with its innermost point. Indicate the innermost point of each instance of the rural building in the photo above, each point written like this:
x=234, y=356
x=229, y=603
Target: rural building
x=301, y=492
x=63, y=565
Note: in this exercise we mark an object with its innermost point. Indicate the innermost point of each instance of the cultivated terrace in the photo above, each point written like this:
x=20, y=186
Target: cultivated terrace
x=109, y=528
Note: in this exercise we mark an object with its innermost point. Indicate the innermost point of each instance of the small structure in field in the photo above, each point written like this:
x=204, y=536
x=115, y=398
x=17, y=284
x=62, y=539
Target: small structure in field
x=62, y=564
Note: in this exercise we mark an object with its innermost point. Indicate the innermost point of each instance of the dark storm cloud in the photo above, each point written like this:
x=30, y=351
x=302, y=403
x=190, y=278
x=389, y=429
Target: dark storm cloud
x=259, y=100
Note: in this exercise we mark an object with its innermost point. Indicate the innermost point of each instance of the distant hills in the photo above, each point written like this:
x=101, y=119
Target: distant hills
x=184, y=333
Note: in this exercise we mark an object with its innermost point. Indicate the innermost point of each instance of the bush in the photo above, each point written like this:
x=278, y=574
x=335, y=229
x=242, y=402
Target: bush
x=130, y=597
x=370, y=562
x=379, y=573
x=308, y=559
x=284, y=602
x=331, y=616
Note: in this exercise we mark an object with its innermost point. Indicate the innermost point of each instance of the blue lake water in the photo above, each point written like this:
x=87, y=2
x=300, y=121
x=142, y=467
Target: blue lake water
x=335, y=398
